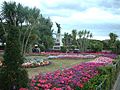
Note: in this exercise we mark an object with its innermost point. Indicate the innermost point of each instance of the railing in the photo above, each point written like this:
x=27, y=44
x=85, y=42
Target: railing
x=102, y=85
x=113, y=76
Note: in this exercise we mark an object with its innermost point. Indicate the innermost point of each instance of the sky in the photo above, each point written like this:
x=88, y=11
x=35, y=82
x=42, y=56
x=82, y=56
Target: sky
x=97, y=16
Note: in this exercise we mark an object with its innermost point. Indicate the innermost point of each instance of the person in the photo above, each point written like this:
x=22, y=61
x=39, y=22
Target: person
x=38, y=49
x=33, y=50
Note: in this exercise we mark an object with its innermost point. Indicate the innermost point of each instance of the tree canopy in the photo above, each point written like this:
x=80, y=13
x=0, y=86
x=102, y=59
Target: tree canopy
x=33, y=27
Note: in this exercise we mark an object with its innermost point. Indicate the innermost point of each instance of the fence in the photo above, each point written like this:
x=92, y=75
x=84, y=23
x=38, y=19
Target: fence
x=111, y=78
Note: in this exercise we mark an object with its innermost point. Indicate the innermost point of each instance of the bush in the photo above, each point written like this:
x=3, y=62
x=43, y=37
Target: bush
x=42, y=48
x=12, y=76
x=10, y=79
x=96, y=46
x=92, y=83
x=63, y=49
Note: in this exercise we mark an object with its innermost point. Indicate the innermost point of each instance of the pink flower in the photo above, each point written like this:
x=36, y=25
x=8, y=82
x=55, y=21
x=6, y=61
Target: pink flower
x=42, y=81
x=39, y=85
x=36, y=88
x=80, y=85
x=56, y=88
x=23, y=89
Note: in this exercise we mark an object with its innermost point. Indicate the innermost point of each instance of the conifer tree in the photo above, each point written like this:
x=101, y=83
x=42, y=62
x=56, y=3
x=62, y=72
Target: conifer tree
x=12, y=75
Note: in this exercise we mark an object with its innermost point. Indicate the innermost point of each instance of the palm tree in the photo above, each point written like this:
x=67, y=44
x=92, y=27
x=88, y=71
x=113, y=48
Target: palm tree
x=83, y=40
x=32, y=19
x=112, y=41
x=113, y=37
x=74, y=34
x=80, y=40
x=67, y=40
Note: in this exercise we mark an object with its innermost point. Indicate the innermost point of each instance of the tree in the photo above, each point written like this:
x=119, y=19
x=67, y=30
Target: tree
x=67, y=40
x=74, y=35
x=12, y=75
x=113, y=37
x=83, y=40
x=117, y=45
x=30, y=23
x=45, y=32
x=106, y=45
x=2, y=35
x=96, y=45
x=32, y=20
x=112, y=41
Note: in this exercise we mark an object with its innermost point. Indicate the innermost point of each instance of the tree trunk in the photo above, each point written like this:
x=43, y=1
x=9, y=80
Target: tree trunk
x=23, y=41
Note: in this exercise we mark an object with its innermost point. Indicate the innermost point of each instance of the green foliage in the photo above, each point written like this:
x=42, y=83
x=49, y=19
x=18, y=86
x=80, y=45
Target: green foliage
x=105, y=70
x=96, y=45
x=13, y=49
x=63, y=49
x=93, y=83
x=117, y=47
x=10, y=78
x=73, y=47
x=11, y=74
x=113, y=43
x=74, y=35
x=106, y=44
x=104, y=80
x=67, y=40
x=37, y=29
x=113, y=38
x=83, y=41
x=45, y=32
x=42, y=48
x=111, y=72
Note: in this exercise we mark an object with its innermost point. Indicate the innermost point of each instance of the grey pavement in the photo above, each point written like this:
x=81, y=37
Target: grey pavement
x=117, y=83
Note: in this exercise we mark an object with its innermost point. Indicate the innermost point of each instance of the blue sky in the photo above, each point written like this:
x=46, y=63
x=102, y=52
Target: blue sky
x=99, y=16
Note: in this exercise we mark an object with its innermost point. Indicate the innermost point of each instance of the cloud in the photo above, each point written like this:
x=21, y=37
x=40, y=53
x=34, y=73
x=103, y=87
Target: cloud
x=94, y=15
x=91, y=16
x=110, y=3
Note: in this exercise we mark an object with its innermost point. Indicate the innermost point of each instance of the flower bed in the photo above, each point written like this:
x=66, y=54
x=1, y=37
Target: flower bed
x=35, y=62
x=66, y=79
x=69, y=79
x=113, y=56
x=104, y=60
x=79, y=56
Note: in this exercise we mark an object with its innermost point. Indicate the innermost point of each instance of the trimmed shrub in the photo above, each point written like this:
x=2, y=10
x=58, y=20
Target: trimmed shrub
x=12, y=75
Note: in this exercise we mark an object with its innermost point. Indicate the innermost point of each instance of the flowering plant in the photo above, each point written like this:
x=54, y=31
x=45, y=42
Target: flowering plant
x=74, y=56
x=35, y=62
x=69, y=78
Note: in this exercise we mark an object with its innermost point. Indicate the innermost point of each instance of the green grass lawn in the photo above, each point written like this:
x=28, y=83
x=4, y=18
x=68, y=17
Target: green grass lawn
x=55, y=65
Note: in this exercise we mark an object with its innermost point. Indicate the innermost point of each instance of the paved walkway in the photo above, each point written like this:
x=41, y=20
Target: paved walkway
x=117, y=83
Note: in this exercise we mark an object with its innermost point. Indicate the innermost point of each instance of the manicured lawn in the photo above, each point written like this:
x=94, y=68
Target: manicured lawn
x=55, y=65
